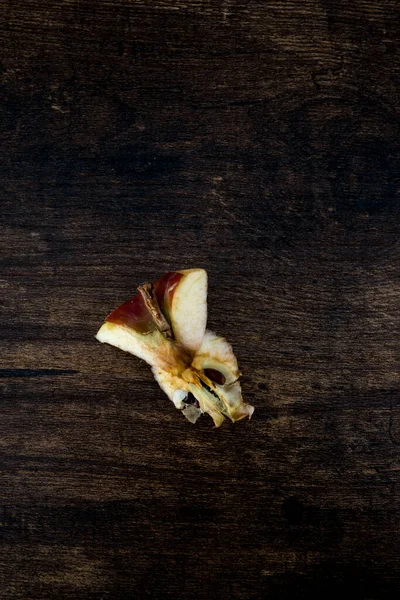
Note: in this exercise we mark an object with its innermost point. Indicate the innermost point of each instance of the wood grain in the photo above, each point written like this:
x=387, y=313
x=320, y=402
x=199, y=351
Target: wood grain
x=259, y=141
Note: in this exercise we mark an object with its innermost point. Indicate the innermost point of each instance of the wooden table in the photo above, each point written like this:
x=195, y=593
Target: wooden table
x=260, y=141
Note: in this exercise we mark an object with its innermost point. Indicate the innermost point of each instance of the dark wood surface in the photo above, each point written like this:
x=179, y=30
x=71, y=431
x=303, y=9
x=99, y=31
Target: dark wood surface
x=259, y=140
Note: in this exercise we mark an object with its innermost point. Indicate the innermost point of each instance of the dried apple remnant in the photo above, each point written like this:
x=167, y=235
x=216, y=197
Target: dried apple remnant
x=150, y=300
x=165, y=325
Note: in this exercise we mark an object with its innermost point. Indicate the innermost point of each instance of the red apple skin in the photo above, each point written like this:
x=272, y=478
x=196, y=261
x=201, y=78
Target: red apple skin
x=160, y=286
x=165, y=289
x=172, y=285
x=133, y=314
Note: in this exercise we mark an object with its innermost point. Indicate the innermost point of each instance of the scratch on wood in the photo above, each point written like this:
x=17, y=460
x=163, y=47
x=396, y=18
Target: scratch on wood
x=35, y=372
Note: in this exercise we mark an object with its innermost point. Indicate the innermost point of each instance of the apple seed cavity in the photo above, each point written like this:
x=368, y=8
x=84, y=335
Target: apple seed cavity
x=215, y=376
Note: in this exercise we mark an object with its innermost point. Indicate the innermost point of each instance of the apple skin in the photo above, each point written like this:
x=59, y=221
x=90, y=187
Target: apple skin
x=165, y=288
x=133, y=314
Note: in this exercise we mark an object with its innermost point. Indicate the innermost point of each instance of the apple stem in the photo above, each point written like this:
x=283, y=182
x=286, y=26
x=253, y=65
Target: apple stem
x=151, y=302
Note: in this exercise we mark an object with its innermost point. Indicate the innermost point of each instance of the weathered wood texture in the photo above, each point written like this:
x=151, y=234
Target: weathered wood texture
x=259, y=140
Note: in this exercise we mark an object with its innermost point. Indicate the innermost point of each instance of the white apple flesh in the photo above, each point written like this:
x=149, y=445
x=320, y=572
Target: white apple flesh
x=153, y=347
x=187, y=308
